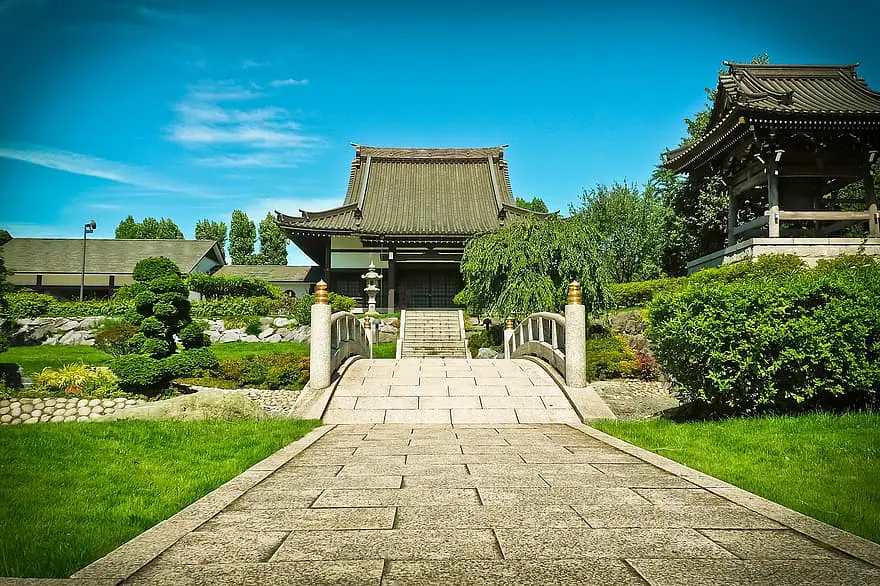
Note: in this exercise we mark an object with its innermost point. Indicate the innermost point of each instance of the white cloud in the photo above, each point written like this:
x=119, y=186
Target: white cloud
x=264, y=160
x=221, y=91
x=289, y=82
x=80, y=164
x=251, y=64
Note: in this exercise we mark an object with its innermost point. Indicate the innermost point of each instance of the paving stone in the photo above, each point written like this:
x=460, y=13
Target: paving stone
x=483, y=416
x=303, y=519
x=459, y=402
x=342, y=402
x=433, y=433
x=382, y=497
x=417, y=415
x=343, y=460
x=360, y=469
x=628, y=515
x=438, y=390
x=459, y=390
x=303, y=469
x=694, y=497
x=511, y=402
x=600, y=454
x=383, y=449
x=345, y=416
x=395, y=544
x=507, y=572
x=362, y=391
x=541, y=415
x=558, y=496
x=265, y=574
x=614, y=543
x=261, y=498
x=557, y=401
x=717, y=572
x=204, y=547
x=770, y=544
x=486, y=516
x=284, y=481
x=387, y=403
x=434, y=459
x=513, y=479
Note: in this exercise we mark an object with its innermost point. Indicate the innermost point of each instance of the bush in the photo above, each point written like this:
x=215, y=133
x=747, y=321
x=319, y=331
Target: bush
x=190, y=363
x=253, y=327
x=340, y=302
x=76, y=380
x=802, y=339
x=302, y=310
x=609, y=356
x=218, y=286
x=26, y=303
x=268, y=371
x=114, y=336
x=157, y=267
x=492, y=338
x=138, y=373
x=194, y=336
x=238, y=307
x=640, y=292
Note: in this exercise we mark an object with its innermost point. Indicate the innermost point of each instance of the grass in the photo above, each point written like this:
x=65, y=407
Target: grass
x=825, y=466
x=34, y=359
x=239, y=349
x=71, y=492
x=385, y=350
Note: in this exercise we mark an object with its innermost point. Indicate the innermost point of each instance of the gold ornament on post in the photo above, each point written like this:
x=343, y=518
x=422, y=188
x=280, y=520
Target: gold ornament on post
x=574, y=293
x=508, y=323
x=367, y=322
x=321, y=293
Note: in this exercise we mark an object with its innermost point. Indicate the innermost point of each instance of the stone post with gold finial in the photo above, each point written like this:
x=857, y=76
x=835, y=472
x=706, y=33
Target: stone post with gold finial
x=368, y=330
x=508, y=334
x=575, y=338
x=319, y=350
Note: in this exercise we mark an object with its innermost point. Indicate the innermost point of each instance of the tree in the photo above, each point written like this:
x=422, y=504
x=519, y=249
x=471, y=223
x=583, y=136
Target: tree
x=4, y=304
x=536, y=205
x=242, y=237
x=526, y=267
x=149, y=229
x=632, y=223
x=698, y=222
x=211, y=230
x=273, y=243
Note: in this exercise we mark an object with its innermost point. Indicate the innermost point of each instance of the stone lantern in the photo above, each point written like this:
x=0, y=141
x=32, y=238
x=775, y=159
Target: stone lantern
x=372, y=278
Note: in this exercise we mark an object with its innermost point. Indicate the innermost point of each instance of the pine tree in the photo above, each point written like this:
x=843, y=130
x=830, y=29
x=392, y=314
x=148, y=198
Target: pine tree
x=242, y=237
x=273, y=243
x=211, y=230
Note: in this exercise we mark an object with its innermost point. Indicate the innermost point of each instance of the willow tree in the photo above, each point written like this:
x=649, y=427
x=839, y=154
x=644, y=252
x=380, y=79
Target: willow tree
x=526, y=267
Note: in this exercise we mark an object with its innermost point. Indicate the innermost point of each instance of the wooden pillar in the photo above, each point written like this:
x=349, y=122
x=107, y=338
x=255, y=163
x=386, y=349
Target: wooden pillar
x=327, y=265
x=392, y=279
x=773, y=199
x=732, y=213
x=871, y=197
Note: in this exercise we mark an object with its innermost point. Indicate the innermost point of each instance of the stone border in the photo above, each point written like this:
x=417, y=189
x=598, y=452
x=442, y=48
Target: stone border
x=24, y=410
x=312, y=403
x=856, y=546
x=586, y=402
x=128, y=558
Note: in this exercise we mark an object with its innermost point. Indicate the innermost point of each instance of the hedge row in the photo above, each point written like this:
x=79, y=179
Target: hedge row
x=784, y=340
x=218, y=286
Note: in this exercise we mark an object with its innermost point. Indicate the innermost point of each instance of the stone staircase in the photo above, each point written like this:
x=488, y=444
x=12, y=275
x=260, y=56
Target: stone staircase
x=434, y=332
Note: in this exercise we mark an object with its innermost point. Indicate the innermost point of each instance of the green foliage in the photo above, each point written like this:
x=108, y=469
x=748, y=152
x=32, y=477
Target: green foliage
x=609, y=356
x=76, y=380
x=640, y=292
x=253, y=327
x=242, y=237
x=536, y=204
x=138, y=373
x=211, y=230
x=237, y=307
x=154, y=268
x=632, y=224
x=339, y=302
x=33, y=359
x=149, y=229
x=218, y=286
x=776, y=342
x=141, y=343
x=26, y=303
x=526, y=267
x=493, y=338
x=191, y=362
x=194, y=336
x=268, y=371
x=113, y=336
x=273, y=243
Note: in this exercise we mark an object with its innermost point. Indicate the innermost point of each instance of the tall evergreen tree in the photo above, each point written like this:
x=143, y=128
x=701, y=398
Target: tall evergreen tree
x=211, y=230
x=149, y=229
x=273, y=243
x=242, y=237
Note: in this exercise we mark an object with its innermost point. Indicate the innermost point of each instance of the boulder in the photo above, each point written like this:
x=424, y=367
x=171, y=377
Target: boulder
x=286, y=335
x=392, y=321
x=249, y=338
x=201, y=405
x=386, y=337
x=273, y=338
x=487, y=353
x=214, y=335
x=265, y=321
x=89, y=323
x=74, y=338
x=388, y=329
x=301, y=334
x=266, y=333
x=68, y=325
x=628, y=322
x=280, y=322
x=230, y=336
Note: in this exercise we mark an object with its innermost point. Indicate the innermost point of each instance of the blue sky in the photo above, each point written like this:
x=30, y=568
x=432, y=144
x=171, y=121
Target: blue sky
x=189, y=109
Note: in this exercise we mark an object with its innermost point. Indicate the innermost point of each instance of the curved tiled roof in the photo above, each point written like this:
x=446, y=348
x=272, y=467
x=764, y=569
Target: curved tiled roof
x=750, y=90
x=419, y=191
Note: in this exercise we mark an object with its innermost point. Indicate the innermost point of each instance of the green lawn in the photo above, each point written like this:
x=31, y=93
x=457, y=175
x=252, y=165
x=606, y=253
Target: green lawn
x=71, y=492
x=33, y=359
x=238, y=349
x=385, y=350
x=825, y=466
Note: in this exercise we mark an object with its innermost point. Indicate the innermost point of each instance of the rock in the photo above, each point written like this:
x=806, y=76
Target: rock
x=82, y=402
x=26, y=401
x=301, y=334
x=107, y=403
x=638, y=342
x=214, y=336
x=39, y=404
x=249, y=338
x=93, y=402
x=207, y=404
x=68, y=325
x=229, y=336
x=5, y=418
x=628, y=322
x=36, y=413
x=89, y=323
x=97, y=409
x=94, y=415
x=266, y=333
x=265, y=321
x=70, y=411
x=280, y=322
x=57, y=419
x=32, y=420
x=119, y=400
x=4, y=403
x=68, y=418
x=73, y=338
x=386, y=337
x=285, y=334
x=51, y=402
x=26, y=407
x=487, y=353
x=109, y=411
x=15, y=421
x=130, y=401
x=39, y=333
x=388, y=329
x=44, y=418
x=15, y=410
x=82, y=418
x=83, y=411
x=4, y=410
x=273, y=338
x=392, y=321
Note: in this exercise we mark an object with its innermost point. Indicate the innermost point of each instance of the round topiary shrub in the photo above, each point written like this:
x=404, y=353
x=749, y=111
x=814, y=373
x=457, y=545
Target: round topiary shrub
x=194, y=336
x=138, y=373
x=190, y=362
x=155, y=267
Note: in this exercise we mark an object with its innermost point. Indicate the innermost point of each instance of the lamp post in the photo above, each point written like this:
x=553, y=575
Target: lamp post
x=88, y=228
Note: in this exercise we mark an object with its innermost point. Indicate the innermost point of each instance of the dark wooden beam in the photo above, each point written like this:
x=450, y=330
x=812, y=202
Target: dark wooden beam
x=823, y=216
x=830, y=171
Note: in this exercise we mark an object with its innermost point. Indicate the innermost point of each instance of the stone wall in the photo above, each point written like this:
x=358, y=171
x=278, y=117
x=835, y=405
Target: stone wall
x=80, y=331
x=58, y=409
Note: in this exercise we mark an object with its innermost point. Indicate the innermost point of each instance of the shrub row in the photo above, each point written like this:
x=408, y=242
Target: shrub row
x=218, y=286
x=786, y=339
x=140, y=373
x=25, y=303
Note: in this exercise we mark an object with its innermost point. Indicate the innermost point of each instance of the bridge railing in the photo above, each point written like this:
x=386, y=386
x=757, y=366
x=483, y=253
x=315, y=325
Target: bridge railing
x=558, y=340
x=334, y=338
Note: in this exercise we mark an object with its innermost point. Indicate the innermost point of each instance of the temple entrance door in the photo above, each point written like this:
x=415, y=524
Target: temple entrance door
x=423, y=288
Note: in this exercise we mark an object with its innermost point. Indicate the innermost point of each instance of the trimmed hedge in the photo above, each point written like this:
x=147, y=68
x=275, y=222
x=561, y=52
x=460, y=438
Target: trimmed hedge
x=218, y=286
x=789, y=339
x=26, y=303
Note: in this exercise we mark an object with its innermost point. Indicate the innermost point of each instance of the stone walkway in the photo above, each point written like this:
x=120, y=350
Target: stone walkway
x=483, y=504
x=447, y=390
